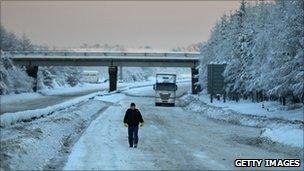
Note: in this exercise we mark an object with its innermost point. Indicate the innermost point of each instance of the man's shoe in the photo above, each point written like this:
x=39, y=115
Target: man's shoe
x=130, y=146
x=135, y=146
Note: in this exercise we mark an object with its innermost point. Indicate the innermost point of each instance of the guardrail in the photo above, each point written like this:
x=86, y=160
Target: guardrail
x=102, y=53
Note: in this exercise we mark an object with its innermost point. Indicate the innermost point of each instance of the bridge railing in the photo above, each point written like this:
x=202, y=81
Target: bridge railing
x=102, y=53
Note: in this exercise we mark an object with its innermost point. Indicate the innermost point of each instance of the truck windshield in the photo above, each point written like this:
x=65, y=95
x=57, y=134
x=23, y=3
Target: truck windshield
x=165, y=86
x=165, y=78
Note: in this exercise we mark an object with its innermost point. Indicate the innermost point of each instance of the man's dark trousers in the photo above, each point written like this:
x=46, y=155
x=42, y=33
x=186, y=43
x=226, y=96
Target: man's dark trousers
x=133, y=135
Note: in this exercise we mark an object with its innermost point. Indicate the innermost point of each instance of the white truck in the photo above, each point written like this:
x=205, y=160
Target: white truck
x=165, y=89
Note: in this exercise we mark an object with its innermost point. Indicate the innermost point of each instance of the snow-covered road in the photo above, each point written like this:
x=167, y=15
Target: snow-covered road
x=30, y=101
x=42, y=101
x=172, y=138
x=50, y=97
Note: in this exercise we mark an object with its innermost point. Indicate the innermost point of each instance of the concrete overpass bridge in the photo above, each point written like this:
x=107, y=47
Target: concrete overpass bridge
x=32, y=61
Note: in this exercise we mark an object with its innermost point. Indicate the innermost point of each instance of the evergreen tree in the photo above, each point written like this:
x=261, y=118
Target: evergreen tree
x=262, y=44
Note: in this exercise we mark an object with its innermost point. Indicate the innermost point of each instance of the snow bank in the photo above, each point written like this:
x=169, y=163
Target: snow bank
x=11, y=118
x=110, y=97
x=283, y=126
x=44, y=144
x=271, y=109
x=146, y=91
x=71, y=90
x=285, y=135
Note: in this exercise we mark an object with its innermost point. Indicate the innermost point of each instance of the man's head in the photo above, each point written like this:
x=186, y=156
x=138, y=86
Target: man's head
x=132, y=105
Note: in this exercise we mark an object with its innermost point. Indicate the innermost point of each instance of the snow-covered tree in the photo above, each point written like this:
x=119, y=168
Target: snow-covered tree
x=26, y=44
x=13, y=79
x=9, y=41
x=262, y=44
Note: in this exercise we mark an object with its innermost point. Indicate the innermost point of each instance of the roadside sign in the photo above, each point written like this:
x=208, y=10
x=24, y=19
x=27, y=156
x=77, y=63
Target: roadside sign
x=215, y=78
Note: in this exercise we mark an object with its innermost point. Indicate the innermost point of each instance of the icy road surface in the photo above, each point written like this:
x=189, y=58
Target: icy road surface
x=42, y=102
x=31, y=101
x=172, y=138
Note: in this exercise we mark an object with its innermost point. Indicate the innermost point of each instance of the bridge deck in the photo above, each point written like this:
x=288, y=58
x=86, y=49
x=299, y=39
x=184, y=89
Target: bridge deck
x=140, y=59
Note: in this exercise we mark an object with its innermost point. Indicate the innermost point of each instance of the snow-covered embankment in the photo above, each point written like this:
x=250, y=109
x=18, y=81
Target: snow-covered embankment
x=283, y=126
x=11, y=118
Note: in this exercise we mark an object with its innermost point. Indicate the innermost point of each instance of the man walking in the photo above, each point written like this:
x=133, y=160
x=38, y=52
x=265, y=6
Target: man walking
x=131, y=120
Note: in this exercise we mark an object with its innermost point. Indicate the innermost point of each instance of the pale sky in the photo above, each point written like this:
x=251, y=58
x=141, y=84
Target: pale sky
x=162, y=25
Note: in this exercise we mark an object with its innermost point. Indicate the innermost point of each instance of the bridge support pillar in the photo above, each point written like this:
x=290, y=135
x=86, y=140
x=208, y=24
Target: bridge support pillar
x=196, y=88
x=120, y=73
x=32, y=72
x=112, y=78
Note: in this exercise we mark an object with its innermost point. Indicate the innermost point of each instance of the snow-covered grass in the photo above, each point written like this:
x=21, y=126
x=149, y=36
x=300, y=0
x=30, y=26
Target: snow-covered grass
x=279, y=125
x=271, y=109
x=285, y=135
x=11, y=118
